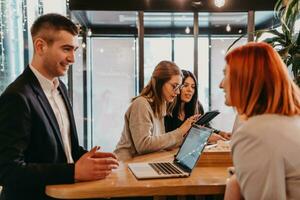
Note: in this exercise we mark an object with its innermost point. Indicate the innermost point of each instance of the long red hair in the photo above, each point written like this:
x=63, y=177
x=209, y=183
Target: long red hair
x=260, y=83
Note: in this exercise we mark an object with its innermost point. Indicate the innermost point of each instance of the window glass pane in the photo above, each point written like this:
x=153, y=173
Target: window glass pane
x=184, y=53
x=54, y=6
x=113, y=79
x=34, y=9
x=168, y=20
x=77, y=69
x=203, y=66
x=218, y=50
x=156, y=50
x=233, y=25
x=265, y=20
x=297, y=26
x=184, y=58
x=11, y=42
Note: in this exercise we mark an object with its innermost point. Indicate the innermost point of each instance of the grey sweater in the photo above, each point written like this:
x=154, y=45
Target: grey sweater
x=144, y=133
x=266, y=157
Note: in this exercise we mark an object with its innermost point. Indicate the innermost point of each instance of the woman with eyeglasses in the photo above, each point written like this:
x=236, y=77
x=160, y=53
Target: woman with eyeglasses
x=144, y=130
x=266, y=147
x=187, y=105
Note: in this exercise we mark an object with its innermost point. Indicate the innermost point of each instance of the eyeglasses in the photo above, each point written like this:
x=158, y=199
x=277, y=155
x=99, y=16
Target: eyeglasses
x=176, y=87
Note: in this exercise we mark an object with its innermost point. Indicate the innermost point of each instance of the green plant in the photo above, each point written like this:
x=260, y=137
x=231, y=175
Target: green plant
x=287, y=41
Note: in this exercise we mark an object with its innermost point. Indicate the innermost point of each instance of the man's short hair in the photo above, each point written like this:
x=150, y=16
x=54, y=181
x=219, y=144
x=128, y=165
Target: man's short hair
x=45, y=25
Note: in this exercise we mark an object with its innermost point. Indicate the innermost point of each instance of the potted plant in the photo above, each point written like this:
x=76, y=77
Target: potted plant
x=287, y=41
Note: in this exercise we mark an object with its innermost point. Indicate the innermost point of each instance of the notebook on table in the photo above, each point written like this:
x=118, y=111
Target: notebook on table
x=184, y=161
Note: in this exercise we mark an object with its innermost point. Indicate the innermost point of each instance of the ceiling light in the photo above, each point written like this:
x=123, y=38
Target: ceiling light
x=228, y=28
x=219, y=3
x=187, y=30
x=89, y=32
x=196, y=4
x=122, y=18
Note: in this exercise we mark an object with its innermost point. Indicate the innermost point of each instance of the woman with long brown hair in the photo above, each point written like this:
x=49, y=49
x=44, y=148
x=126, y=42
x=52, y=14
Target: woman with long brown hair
x=144, y=130
x=187, y=105
x=266, y=147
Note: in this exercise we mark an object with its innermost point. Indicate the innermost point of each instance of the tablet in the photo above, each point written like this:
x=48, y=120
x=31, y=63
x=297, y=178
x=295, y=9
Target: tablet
x=207, y=117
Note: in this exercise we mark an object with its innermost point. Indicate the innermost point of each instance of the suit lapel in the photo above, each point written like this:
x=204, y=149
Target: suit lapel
x=44, y=103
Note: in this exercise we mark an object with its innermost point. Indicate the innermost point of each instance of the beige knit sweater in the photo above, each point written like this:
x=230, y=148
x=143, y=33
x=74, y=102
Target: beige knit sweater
x=144, y=133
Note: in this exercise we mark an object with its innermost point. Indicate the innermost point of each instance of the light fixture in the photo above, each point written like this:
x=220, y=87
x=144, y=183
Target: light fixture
x=187, y=30
x=219, y=3
x=197, y=3
x=83, y=45
x=240, y=31
x=228, y=28
x=89, y=32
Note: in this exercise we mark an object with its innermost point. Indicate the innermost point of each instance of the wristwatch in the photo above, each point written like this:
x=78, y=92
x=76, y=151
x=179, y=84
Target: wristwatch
x=216, y=131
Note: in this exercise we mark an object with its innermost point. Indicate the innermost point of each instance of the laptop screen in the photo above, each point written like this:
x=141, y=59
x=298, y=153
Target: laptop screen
x=193, y=146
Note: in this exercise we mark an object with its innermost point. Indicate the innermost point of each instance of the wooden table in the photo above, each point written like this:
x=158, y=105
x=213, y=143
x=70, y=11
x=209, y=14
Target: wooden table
x=122, y=183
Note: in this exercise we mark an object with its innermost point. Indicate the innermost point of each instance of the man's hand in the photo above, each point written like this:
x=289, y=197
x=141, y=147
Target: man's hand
x=95, y=165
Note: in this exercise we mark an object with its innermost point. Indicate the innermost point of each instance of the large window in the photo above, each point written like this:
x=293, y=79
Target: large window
x=16, y=49
x=113, y=70
x=11, y=42
x=156, y=50
x=203, y=72
x=184, y=53
x=78, y=94
x=113, y=86
x=160, y=48
x=219, y=47
x=221, y=29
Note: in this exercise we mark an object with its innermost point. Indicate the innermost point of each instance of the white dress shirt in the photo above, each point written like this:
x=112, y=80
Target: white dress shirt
x=59, y=109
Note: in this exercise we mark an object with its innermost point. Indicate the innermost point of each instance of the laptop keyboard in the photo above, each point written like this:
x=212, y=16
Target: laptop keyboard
x=165, y=168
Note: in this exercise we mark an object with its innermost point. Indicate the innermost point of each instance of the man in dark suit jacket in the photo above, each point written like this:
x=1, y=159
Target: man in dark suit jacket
x=38, y=138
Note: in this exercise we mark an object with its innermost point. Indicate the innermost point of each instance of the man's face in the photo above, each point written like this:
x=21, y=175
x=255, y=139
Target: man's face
x=58, y=56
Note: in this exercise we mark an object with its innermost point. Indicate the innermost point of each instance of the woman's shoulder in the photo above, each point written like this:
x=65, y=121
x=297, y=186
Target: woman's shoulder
x=271, y=120
x=264, y=126
x=140, y=100
x=264, y=132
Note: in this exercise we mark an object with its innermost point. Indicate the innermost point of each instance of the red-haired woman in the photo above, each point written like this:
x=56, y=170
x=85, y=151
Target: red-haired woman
x=266, y=147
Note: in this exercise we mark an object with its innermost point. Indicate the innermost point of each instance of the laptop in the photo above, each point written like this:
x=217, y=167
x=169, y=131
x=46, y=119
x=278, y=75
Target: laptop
x=185, y=159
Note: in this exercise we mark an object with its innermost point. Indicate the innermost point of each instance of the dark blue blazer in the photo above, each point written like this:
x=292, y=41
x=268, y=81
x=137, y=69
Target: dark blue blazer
x=31, y=148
